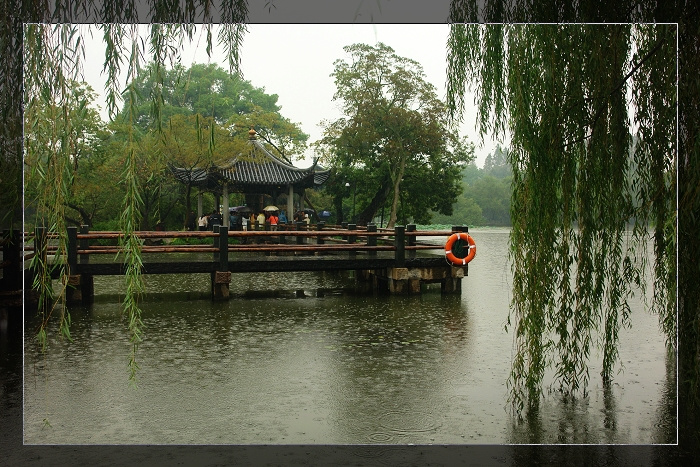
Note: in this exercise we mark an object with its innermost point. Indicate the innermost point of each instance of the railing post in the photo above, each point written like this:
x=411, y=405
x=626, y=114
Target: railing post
x=319, y=227
x=40, y=250
x=40, y=245
x=74, y=291
x=400, y=253
x=223, y=249
x=453, y=284
x=217, y=242
x=221, y=278
x=84, y=244
x=411, y=239
x=72, y=249
x=300, y=239
x=87, y=283
x=372, y=240
x=352, y=239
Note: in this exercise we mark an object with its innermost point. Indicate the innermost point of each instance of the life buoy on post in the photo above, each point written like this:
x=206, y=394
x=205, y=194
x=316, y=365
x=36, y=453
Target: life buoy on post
x=455, y=247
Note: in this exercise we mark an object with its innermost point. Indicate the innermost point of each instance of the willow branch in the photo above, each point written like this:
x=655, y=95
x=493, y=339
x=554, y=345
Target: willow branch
x=634, y=69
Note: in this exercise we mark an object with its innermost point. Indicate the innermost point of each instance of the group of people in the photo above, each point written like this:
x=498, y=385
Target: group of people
x=268, y=217
x=208, y=221
x=301, y=216
x=239, y=221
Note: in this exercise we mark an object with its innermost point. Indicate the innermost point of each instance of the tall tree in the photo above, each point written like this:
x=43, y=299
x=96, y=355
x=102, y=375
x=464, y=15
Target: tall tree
x=81, y=130
x=560, y=90
x=211, y=92
x=395, y=135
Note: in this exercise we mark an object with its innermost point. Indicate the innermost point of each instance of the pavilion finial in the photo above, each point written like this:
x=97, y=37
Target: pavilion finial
x=251, y=133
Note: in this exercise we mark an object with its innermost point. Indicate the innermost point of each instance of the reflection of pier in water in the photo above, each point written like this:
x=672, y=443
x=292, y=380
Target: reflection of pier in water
x=391, y=260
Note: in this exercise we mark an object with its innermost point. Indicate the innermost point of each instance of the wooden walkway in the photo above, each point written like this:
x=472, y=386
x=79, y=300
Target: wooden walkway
x=384, y=258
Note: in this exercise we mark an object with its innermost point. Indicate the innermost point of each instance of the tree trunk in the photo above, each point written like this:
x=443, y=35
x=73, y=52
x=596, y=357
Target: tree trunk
x=85, y=217
x=371, y=210
x=397, y=190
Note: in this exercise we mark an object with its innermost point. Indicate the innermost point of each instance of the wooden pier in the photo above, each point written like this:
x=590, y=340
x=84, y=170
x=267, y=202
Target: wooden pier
x=383, y=260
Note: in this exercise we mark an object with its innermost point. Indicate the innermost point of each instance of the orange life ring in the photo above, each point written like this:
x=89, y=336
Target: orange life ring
x=450, y=256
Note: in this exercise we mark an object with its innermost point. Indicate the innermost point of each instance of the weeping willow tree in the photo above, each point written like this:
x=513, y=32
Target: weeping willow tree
x=54, y=57
x=585, y=199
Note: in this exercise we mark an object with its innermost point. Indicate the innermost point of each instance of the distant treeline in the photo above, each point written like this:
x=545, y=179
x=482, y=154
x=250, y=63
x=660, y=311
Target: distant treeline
x=485, y=199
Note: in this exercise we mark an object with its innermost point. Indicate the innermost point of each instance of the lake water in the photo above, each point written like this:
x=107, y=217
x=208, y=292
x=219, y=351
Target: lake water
x=299, y=358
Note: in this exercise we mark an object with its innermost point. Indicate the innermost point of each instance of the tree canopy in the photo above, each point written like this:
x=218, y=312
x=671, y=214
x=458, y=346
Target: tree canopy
x=208, y=90
x=394, y=145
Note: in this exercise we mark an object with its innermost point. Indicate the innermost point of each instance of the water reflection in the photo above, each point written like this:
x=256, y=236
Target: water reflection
x=297, y=358
x=395, y=366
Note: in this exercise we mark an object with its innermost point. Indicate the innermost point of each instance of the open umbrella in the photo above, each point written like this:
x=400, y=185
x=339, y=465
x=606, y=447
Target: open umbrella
x=271, y=208
x=241, y=209
x=308, y=211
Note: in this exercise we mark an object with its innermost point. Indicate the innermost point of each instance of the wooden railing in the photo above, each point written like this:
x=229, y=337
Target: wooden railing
x=298, y=238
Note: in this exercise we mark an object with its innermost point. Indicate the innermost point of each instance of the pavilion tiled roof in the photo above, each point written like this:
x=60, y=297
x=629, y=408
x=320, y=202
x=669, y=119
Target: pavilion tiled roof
x=256, y=168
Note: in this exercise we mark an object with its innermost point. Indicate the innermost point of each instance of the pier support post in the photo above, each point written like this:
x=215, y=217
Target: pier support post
x=453, y=282
x=403, y=281
x=221, y=278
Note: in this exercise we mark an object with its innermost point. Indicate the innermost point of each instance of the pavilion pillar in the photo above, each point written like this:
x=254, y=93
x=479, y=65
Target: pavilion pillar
x=290, y=204
x=200, y=204
x=224, y=214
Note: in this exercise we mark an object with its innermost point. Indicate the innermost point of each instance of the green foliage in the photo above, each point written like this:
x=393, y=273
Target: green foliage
x=394, y=146
x=192, y=241
x=229, y=105
x=485, y=198
x=560, y=91
x=204, y=114
x=492, y=197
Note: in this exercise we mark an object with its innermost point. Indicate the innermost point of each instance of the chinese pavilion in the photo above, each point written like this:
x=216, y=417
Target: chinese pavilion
x=256, y=173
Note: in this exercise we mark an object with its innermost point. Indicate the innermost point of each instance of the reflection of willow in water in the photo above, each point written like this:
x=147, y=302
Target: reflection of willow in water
x=568, y=421
x=665, y=428
x=577, y=423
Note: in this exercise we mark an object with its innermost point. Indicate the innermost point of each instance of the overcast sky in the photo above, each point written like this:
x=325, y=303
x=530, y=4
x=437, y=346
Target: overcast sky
x=295, y=62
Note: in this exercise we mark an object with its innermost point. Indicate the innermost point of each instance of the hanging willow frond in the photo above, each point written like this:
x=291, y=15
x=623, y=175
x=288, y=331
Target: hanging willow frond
x=578, y=181
x=53, y=66
x=54, y=59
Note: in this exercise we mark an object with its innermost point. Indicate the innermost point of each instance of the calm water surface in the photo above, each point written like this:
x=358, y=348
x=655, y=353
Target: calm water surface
x=298, y=358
